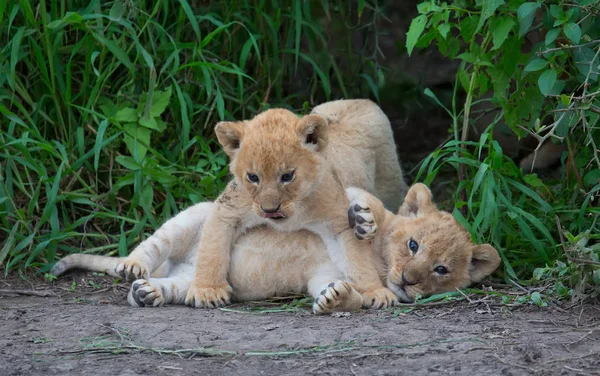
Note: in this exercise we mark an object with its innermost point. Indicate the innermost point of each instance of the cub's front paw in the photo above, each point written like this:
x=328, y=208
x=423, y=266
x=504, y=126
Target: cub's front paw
x=361, y=220
x=379, y=298
x=143, y=294
x=208, y=297
x=334, y=298
x=131, y=270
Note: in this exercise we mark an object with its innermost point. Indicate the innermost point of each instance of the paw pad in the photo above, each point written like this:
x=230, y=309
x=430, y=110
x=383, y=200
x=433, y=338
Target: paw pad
x=362, y=221
x=146, y=295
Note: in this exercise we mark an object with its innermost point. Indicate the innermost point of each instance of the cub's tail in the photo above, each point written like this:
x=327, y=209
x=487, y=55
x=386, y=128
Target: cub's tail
x=93, y=263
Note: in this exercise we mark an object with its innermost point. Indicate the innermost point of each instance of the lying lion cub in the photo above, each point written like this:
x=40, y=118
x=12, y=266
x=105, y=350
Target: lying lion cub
x=288, y=175
x=422, y=250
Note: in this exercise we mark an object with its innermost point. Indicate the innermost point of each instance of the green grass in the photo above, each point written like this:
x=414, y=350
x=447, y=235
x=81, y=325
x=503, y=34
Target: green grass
x=107, y=108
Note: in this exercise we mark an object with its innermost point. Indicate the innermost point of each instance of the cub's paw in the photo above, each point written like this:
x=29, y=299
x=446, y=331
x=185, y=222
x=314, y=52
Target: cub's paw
x=131, y=270
x=361, y=220
x=379, y=298
x=208, y=297
x=338, y=296
x=143, y=294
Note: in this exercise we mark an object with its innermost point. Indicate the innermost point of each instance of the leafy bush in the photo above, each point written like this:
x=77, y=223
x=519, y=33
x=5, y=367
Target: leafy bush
x=107, y=108
x=547, y=89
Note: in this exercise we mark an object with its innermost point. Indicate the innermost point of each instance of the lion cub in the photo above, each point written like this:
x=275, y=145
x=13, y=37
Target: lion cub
x=421, y=250
x=284, y=178
x=266, y=262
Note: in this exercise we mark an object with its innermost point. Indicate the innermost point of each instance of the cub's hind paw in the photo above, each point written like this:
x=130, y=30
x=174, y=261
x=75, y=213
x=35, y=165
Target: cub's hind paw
x=130, y=270
x=143, y=294
x=362, y=220
x=338, y=296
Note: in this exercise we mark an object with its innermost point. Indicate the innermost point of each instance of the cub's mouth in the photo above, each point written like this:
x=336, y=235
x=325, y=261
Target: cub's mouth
x=276, y=216
x=399, y=291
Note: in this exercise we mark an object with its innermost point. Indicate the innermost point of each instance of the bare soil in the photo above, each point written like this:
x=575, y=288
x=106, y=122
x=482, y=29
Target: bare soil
x=92, y=330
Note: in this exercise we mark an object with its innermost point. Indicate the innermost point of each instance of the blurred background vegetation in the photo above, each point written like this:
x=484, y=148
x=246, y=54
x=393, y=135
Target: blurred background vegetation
x=107, y=109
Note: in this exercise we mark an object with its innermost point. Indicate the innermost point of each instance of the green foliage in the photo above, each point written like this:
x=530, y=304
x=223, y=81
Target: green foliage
x=107, y=108
x=536, y=62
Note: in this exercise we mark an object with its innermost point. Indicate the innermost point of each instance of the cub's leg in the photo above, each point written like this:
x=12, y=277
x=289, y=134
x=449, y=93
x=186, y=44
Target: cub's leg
x=366, y=214
x=331, y=293
x=210, y=288
x=174, y=239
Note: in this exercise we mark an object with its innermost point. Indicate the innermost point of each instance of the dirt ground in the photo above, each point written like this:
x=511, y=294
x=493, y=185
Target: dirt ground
x=92, y=330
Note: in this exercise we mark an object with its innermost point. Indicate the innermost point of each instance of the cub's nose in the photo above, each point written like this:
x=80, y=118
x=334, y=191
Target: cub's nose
x=406, y=282
x=270, y=210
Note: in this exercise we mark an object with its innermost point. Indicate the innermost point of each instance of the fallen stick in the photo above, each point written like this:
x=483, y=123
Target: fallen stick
x=27, y=292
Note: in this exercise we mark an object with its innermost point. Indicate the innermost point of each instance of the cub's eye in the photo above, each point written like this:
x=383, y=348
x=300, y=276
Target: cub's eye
x=287, y=177
x=441, y=270
x=252, y=178
x=413, y=246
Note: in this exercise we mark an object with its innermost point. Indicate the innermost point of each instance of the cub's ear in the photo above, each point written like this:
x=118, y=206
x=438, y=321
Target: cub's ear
x=484, y=261
x=313, y=131
x=418, y=200
x=229, y=134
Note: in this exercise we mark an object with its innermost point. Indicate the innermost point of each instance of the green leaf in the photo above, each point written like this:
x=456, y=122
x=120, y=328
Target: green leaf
x=584, y=57
x=148, y=122
x=551, y=36
x=160, y=101
x=191, y=17
x=536, y=65
x=117, y=11
x=417, y=26
x=147, y=197
x=533, y=180
x=372, y=86
x=589, y=180
x=98, y=144
x=14, y=53
x=488, y=8
x=135, y=133
x=70, y=18
x=220, y=104
x=547, y=80
x=361, y=7
x=8, y=245
x=526, y=14
x=537, y=298
x=467, y=27
x=443, y=29
x=572, y=31
x=565, y=120
x=115, y=49
x=126, y=115
x=500, y=31
x=128, y=162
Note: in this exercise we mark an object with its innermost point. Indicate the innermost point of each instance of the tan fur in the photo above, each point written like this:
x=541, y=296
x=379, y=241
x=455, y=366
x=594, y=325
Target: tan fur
x=315, y=149
x=442, y=241
x=266, y=262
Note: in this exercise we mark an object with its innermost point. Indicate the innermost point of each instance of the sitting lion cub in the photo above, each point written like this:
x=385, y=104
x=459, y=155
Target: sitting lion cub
x=286, y=177
x=422, y=250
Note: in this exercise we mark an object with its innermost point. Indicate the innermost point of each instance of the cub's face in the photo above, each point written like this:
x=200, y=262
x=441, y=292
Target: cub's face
x=429, y=252
x=277, y=157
